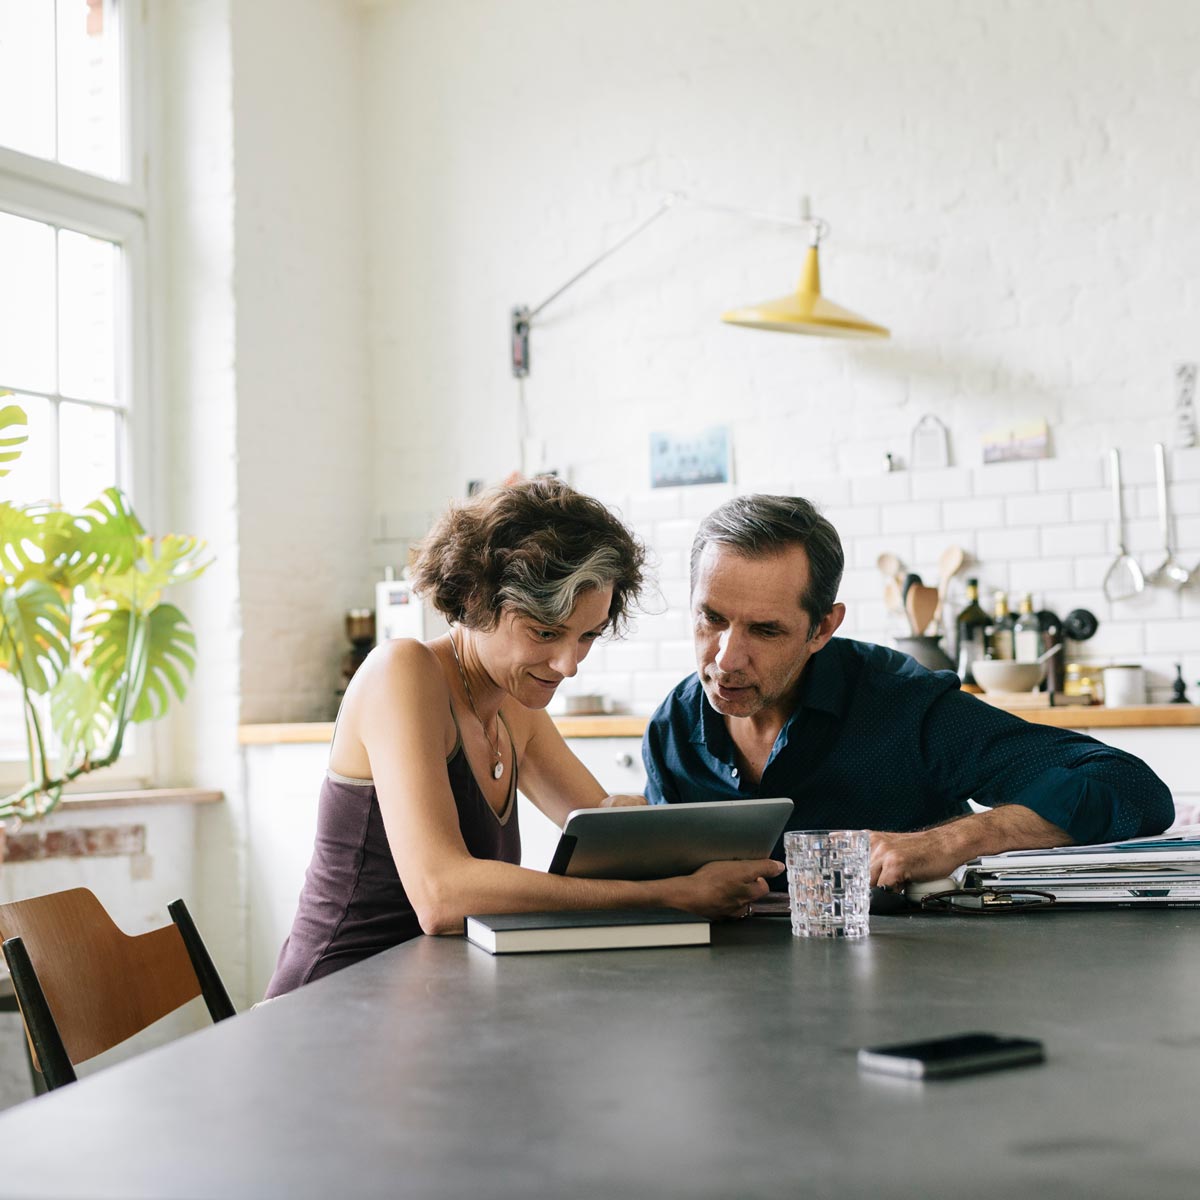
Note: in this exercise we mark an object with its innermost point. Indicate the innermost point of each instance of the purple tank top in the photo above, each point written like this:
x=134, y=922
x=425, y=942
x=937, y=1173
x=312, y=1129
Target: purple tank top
x=353, y=904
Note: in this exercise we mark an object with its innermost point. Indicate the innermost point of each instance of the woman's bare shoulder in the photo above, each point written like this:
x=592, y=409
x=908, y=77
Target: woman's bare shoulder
x=399, y=676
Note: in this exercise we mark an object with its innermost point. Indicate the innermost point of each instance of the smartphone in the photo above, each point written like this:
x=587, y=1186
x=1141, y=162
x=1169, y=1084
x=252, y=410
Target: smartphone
x=963, y=1054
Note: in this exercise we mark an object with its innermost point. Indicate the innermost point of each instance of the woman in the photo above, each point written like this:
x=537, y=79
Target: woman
x=417, y=825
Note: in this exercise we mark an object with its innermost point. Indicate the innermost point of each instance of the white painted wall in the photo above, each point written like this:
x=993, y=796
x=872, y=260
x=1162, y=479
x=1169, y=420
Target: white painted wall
x=303, y=419
x=1011, y=190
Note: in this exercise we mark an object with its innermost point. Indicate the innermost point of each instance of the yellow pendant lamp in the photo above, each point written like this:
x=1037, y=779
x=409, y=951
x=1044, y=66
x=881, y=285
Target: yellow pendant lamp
x=806, y=310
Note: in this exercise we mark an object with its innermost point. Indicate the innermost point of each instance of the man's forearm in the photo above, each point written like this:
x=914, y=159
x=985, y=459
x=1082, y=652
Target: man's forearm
x=1007, y=827
x=900, y=858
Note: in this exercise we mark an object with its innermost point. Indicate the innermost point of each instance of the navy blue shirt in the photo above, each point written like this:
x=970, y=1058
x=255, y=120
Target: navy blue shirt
x=878, y=742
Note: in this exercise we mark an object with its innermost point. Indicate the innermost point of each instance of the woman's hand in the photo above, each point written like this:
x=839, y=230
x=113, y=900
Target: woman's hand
x=723, y=889
x=623, y=801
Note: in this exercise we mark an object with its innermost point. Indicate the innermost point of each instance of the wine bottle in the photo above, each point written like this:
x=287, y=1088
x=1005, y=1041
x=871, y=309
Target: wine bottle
x=1027, y=633
x=999, y=633
x=969, y=627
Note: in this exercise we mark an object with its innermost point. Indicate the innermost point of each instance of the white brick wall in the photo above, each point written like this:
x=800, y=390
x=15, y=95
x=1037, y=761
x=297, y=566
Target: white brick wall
x=1028, y=235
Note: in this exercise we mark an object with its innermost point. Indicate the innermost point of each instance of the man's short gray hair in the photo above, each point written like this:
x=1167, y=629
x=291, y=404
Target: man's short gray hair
x=756, y=526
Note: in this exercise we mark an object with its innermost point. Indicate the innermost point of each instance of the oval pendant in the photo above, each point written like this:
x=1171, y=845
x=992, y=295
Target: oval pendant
x=498, y=770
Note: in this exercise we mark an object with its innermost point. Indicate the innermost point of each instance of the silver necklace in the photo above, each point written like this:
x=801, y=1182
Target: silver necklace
x=498, y=769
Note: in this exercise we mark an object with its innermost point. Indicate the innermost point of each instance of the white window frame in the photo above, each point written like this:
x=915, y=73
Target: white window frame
x=116, y=211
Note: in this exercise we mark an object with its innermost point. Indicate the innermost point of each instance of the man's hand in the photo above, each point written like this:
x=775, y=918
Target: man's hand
x=620, y=801
x=900, y=858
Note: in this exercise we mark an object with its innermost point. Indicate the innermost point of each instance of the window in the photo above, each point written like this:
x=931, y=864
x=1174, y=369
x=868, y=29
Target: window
x=72, y=277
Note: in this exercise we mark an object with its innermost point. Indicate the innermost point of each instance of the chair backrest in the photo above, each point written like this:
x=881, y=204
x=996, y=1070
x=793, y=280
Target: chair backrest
x=100, y=985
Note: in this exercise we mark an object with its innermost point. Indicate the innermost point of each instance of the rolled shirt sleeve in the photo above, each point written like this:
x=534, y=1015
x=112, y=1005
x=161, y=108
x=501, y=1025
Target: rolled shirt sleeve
x=1093, y=792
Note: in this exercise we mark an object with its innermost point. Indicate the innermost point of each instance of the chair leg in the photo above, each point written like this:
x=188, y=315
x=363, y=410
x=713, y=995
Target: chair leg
x=39, y=1020
x=211, y=987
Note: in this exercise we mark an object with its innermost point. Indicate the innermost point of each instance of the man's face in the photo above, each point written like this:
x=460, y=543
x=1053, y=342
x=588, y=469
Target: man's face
x=752, y=637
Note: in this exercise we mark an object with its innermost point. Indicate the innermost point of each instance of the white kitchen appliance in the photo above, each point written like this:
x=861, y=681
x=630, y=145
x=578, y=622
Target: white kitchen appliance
x=401, y=613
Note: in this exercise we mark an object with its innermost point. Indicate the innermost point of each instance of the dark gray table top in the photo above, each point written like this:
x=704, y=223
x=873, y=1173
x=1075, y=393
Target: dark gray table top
x=724, y=1071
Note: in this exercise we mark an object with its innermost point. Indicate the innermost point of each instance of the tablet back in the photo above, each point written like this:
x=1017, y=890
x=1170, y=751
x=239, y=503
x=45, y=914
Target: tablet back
x=657, y=841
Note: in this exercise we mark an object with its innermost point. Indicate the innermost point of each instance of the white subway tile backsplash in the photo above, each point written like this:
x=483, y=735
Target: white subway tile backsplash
x=1069, y=474
x=914, y=517
x=1091, y=570
x=631, y=656
x=891, y=488
x=1173, y=637
x=1005, y=479
x=677, y=656
x=854, y=520
x=953, y=483
x=1184, y=463
x=1092, y=505
x=1078, y=539
x=1044, y=528
x=1185, y=498
x=651, y=687
x=866, y=550
x=973, y=515
x=674, y=534
x=1040, y=576
x=995, y=544
x=661, y=504
x=861, y=583
x=699, y=501
x=824, y=490
x=1037, y=509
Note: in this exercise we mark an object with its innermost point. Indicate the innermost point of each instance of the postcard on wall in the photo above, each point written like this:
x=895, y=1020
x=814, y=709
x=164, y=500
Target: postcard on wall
x=680, y=459
x=1031, y=440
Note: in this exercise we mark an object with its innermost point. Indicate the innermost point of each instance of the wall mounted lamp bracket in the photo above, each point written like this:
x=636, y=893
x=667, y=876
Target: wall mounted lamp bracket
x=805, y=311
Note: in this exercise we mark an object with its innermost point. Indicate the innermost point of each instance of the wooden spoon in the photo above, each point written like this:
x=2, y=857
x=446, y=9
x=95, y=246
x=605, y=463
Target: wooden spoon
x=949, y=565
x=920, y=604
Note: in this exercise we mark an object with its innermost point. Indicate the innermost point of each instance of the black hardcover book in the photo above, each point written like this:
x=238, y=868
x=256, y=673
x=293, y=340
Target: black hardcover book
x=603, y=929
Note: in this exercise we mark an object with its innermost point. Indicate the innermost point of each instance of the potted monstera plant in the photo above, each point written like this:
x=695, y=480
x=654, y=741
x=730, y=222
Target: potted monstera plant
x=84, y=629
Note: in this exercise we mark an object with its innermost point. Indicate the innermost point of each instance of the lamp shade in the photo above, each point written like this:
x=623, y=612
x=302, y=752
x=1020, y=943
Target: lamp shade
x=806, y=311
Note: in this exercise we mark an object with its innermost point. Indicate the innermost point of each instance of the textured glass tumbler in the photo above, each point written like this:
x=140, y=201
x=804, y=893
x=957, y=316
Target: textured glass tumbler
x=829, y=876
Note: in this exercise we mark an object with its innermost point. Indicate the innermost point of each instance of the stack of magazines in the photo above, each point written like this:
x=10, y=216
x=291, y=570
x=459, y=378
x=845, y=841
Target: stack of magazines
x=1162, y=871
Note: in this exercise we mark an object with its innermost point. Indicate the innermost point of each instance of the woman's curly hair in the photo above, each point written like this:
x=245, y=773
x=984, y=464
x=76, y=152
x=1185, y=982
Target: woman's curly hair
x=532, y=546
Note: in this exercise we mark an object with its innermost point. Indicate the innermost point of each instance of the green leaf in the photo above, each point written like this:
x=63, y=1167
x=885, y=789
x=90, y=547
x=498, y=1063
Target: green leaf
x=21, y=553
x=169, y=655
x=172, y=559
x=105, y=538
x=37, y=626
x=82, y=717
x=14, y=436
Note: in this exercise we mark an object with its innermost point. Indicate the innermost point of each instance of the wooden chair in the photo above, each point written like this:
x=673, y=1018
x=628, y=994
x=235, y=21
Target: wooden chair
x=84, y=986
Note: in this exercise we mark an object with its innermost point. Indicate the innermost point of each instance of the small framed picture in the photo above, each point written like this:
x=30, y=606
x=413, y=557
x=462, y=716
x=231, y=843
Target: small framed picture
x=682, y=459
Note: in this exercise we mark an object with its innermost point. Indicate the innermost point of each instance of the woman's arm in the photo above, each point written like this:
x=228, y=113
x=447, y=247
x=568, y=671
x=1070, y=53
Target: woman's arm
x=551, y=776
x=398, y=710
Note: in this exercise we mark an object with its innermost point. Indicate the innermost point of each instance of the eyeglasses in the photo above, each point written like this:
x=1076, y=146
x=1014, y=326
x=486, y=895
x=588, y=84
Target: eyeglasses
x=986, y=901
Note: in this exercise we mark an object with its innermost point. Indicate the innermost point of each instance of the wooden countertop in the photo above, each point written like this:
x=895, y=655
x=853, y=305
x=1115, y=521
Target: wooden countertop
x=1074, y=717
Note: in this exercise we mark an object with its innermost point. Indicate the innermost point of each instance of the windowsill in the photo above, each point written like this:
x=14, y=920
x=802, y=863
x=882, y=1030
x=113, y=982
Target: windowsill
x=138, y=798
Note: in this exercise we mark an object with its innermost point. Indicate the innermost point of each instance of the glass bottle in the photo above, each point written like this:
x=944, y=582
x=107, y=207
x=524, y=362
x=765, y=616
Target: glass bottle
x=969, y=628
x=1027, y=633
x=999, y=633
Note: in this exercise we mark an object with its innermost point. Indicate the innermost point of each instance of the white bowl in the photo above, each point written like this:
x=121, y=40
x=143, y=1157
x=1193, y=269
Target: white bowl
x=1003, y=675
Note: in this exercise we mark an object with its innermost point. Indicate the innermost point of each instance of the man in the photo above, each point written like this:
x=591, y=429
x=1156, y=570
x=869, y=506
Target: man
x=860, y=736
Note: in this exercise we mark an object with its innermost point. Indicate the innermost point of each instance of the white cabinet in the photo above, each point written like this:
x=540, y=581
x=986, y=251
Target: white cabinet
x=1173, y=754
x=617, y=765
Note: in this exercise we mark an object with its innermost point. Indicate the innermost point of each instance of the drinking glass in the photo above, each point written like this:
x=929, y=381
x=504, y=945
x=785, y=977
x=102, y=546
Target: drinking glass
x=829, y=875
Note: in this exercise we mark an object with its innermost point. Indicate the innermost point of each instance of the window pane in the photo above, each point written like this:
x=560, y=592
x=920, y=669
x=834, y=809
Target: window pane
x=87, y=276
x=89, y=86
x=32, y=476
x=88, y=452
x=12, y=727
x=27, y=76
x=26, y=304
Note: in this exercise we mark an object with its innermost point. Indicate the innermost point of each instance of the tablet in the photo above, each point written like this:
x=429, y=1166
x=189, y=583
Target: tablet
x=659, y=840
